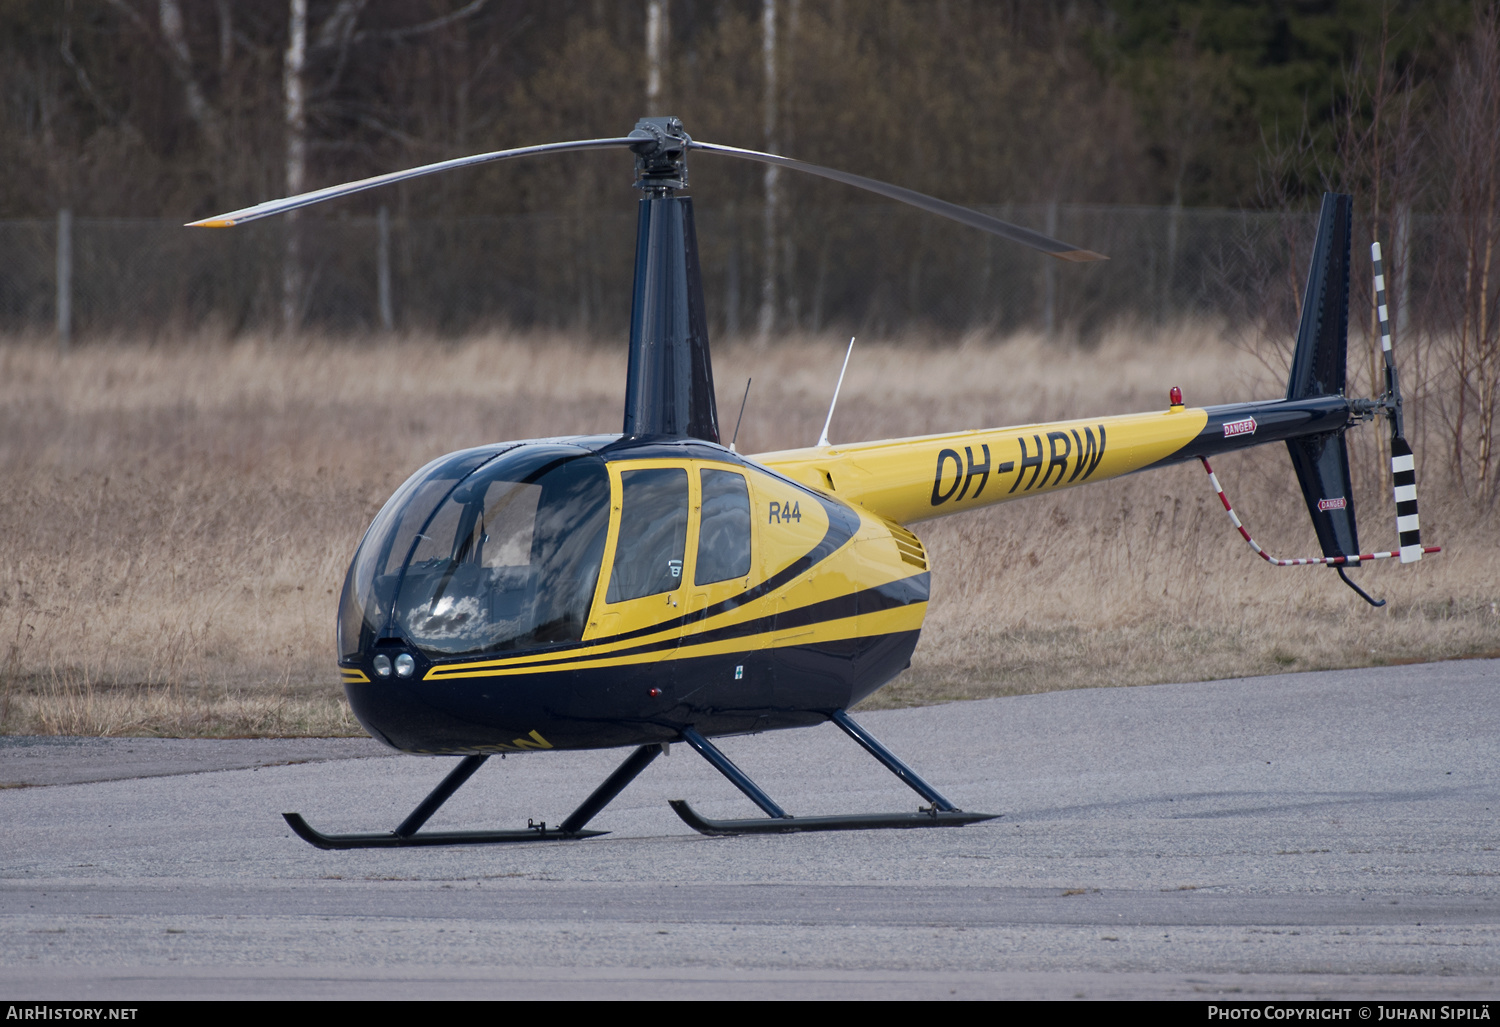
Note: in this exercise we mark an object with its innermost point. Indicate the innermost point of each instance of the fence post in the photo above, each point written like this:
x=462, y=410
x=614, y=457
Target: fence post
x=64, y=278
x=383, y=258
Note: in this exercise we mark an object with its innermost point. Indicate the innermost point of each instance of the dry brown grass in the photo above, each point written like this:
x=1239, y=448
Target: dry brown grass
x=178, y=518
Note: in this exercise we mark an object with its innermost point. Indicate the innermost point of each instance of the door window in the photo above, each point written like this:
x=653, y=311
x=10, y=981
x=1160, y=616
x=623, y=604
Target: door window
x=653, y=533
x=724, y=531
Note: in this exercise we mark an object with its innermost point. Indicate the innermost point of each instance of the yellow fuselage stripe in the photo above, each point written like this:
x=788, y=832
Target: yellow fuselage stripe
x=907, y=480
x=883, y=622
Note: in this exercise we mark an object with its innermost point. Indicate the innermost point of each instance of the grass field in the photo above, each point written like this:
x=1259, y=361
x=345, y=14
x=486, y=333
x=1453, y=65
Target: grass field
x=177, y=518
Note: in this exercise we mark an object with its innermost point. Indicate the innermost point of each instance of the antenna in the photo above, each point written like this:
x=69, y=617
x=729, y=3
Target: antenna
x=823, y=439
x=737, y=421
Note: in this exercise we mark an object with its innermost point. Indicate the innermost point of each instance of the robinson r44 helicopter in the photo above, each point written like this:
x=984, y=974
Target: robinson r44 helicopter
x=654, y=586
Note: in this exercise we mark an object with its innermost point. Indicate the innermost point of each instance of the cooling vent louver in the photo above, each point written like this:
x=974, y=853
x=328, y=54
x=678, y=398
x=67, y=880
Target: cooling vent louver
x=910, y=547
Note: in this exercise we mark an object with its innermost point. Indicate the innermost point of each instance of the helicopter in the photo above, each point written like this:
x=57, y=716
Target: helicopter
x=656, y=586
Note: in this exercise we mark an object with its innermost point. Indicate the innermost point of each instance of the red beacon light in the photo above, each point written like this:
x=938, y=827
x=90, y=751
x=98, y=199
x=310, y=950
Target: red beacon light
x=1176, y=397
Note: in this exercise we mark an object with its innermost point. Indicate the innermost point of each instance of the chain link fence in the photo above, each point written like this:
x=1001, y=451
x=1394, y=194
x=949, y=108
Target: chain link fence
x=875, y=271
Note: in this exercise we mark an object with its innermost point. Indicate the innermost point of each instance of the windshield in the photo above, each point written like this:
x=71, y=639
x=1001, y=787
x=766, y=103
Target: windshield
x=371, y=583
x=507, y=559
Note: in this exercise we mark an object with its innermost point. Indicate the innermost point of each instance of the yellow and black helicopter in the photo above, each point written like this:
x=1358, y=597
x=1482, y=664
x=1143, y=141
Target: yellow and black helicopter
x=655, y=586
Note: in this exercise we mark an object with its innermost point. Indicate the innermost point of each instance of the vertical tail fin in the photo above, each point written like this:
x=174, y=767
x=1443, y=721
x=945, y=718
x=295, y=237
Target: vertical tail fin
x=1319, y=369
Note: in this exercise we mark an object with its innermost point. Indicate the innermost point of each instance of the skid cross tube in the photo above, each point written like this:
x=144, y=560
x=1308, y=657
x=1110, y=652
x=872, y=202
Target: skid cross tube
x=941, y=813
x=891, y=762
x=439, y=795
x=407, y=834
x=736, y=776
x=612, y=786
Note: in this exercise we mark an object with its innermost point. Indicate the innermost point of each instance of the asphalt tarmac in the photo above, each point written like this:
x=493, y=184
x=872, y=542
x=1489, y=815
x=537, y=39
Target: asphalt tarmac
x=1321, y=835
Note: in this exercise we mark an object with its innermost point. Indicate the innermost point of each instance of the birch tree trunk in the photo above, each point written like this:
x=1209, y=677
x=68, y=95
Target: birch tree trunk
x=656, y=55
x=169, y=17
x=294, y=95
x=772, y=215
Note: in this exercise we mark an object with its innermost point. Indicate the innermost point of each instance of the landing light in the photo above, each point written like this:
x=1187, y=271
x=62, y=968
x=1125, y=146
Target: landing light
x=405, y=665
x=383, y=666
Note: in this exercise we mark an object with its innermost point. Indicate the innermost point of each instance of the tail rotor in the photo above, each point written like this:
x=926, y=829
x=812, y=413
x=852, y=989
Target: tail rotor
x=1321, y=459
x=1403, y=464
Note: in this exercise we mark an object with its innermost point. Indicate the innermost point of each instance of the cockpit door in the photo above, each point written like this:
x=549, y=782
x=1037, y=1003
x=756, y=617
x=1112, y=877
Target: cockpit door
x=641, y=584
x=722, y=566
x=720, y=659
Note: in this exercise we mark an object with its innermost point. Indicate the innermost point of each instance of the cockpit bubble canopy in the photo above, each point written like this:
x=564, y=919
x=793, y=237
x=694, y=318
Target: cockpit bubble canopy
x=482, y=551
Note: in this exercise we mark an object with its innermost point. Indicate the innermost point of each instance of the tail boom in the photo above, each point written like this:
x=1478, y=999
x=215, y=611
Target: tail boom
x=915, y=479
x=906, y=480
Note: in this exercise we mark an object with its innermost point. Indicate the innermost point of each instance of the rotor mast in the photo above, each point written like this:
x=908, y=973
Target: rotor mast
x=669, y=386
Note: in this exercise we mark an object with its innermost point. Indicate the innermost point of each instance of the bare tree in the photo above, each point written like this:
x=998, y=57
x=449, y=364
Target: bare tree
x=170, y=39
x=1377, y=159
x=336, y=34
x=656, y=54
x=294, y=100
x=1283, y=164
x=772, y=175
x=1471, y=138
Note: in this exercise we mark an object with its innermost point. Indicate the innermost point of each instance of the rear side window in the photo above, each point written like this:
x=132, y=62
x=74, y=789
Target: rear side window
x=653, y=533
x=724, y=532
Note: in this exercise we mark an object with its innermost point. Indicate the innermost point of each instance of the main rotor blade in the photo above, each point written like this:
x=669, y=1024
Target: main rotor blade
x=266, y=209
x=963, y=215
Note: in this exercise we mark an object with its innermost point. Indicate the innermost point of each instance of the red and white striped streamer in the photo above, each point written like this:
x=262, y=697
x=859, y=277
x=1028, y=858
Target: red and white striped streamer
x=1301, y=562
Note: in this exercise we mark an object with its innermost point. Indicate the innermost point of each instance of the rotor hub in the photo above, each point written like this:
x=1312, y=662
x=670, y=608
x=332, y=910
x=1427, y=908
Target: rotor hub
x=660, y=146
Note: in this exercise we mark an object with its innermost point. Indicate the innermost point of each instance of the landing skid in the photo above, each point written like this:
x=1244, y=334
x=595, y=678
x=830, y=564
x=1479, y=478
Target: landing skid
x=941, y=812
x=391, y=840
x=407, y=833
x=846, y=822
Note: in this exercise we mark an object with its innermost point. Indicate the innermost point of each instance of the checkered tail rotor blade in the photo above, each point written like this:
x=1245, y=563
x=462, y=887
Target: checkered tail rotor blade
x=1403, y=463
